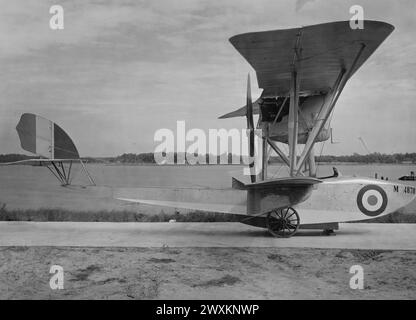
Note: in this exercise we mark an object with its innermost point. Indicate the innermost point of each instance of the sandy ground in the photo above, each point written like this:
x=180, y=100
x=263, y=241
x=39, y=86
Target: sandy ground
x=205, y=273
x=368, y=236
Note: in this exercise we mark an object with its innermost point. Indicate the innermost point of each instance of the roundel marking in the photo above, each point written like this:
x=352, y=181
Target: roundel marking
x=372, y=200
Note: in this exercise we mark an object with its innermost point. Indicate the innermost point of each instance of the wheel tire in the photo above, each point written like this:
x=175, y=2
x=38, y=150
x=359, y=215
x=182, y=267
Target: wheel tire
x=283, y=222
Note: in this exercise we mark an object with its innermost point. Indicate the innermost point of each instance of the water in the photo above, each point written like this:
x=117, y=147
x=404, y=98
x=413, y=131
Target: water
x=220, y=176
x=35, y=187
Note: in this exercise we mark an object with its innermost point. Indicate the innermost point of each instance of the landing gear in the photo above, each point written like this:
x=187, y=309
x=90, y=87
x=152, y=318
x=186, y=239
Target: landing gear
x=329, y=232
x=62, y=173
x=283, y=223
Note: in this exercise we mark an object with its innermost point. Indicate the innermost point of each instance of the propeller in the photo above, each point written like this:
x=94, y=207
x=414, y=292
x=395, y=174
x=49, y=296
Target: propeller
x=250, y=127
x=249, y=106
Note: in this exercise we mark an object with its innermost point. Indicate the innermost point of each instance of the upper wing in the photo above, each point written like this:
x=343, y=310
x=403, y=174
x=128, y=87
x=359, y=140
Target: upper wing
x=324, y=49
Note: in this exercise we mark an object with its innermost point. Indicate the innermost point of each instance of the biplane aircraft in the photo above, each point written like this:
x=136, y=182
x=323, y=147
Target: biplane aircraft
x=302, y=72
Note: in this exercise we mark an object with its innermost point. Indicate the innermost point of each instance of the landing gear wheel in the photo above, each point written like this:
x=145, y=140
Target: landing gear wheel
x=283, y=223
x=329, y=232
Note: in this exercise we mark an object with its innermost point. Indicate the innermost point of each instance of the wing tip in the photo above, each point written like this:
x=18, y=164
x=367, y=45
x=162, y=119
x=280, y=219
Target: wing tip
x=235, y=39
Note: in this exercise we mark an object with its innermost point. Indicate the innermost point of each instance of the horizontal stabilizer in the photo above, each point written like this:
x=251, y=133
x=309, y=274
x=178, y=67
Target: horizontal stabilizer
x=276, y=183
x=35, y=161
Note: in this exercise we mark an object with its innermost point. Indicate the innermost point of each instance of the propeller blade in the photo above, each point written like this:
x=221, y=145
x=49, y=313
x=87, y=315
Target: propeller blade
x=250, y=126
x=249, y=106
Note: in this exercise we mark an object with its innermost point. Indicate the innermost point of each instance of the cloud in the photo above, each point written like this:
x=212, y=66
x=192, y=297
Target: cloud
x=120, y=70
x=301, y=3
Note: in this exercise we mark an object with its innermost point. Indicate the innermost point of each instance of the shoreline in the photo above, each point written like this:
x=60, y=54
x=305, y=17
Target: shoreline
x=241, y=165
x=62, y=215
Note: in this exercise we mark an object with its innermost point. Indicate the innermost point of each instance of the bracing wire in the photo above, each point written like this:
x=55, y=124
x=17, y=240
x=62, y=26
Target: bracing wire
x=323, y=143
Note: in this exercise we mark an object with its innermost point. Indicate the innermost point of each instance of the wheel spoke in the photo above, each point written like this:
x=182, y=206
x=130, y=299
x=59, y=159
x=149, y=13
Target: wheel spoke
x=290, y=215
x=283, y=222
x=287, y=210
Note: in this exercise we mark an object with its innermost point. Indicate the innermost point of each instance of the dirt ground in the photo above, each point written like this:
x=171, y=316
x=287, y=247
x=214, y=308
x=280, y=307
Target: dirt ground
x=205, y=273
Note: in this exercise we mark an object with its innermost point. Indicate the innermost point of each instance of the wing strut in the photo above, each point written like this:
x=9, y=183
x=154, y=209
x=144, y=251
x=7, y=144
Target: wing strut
x=87, y=173
x=278, y=151
x=64, y=174
x=312, y=164
x=265, y=152
x=327, y=109
x=58, y=170
x=280, y=111
x=293, y=120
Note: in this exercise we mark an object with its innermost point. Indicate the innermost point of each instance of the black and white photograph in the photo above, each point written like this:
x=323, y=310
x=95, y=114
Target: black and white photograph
x=227, y=152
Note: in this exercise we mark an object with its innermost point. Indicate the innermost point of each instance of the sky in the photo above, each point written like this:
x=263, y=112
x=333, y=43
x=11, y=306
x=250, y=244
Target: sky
x=121, y=70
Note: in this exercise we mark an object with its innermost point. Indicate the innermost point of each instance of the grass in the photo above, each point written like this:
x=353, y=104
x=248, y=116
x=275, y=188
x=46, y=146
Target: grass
x=57, y=214
x=133, y=216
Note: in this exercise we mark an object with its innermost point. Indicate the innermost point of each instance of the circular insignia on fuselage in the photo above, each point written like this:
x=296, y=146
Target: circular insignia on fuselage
x=372, y=200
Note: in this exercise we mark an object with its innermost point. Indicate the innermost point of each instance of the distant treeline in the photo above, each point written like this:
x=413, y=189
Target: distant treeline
x=354, y=158
x=148, y=158
x=371, y=158
x=13, y=157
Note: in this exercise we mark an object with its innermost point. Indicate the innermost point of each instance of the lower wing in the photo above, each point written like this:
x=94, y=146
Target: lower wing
x=210, y=207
